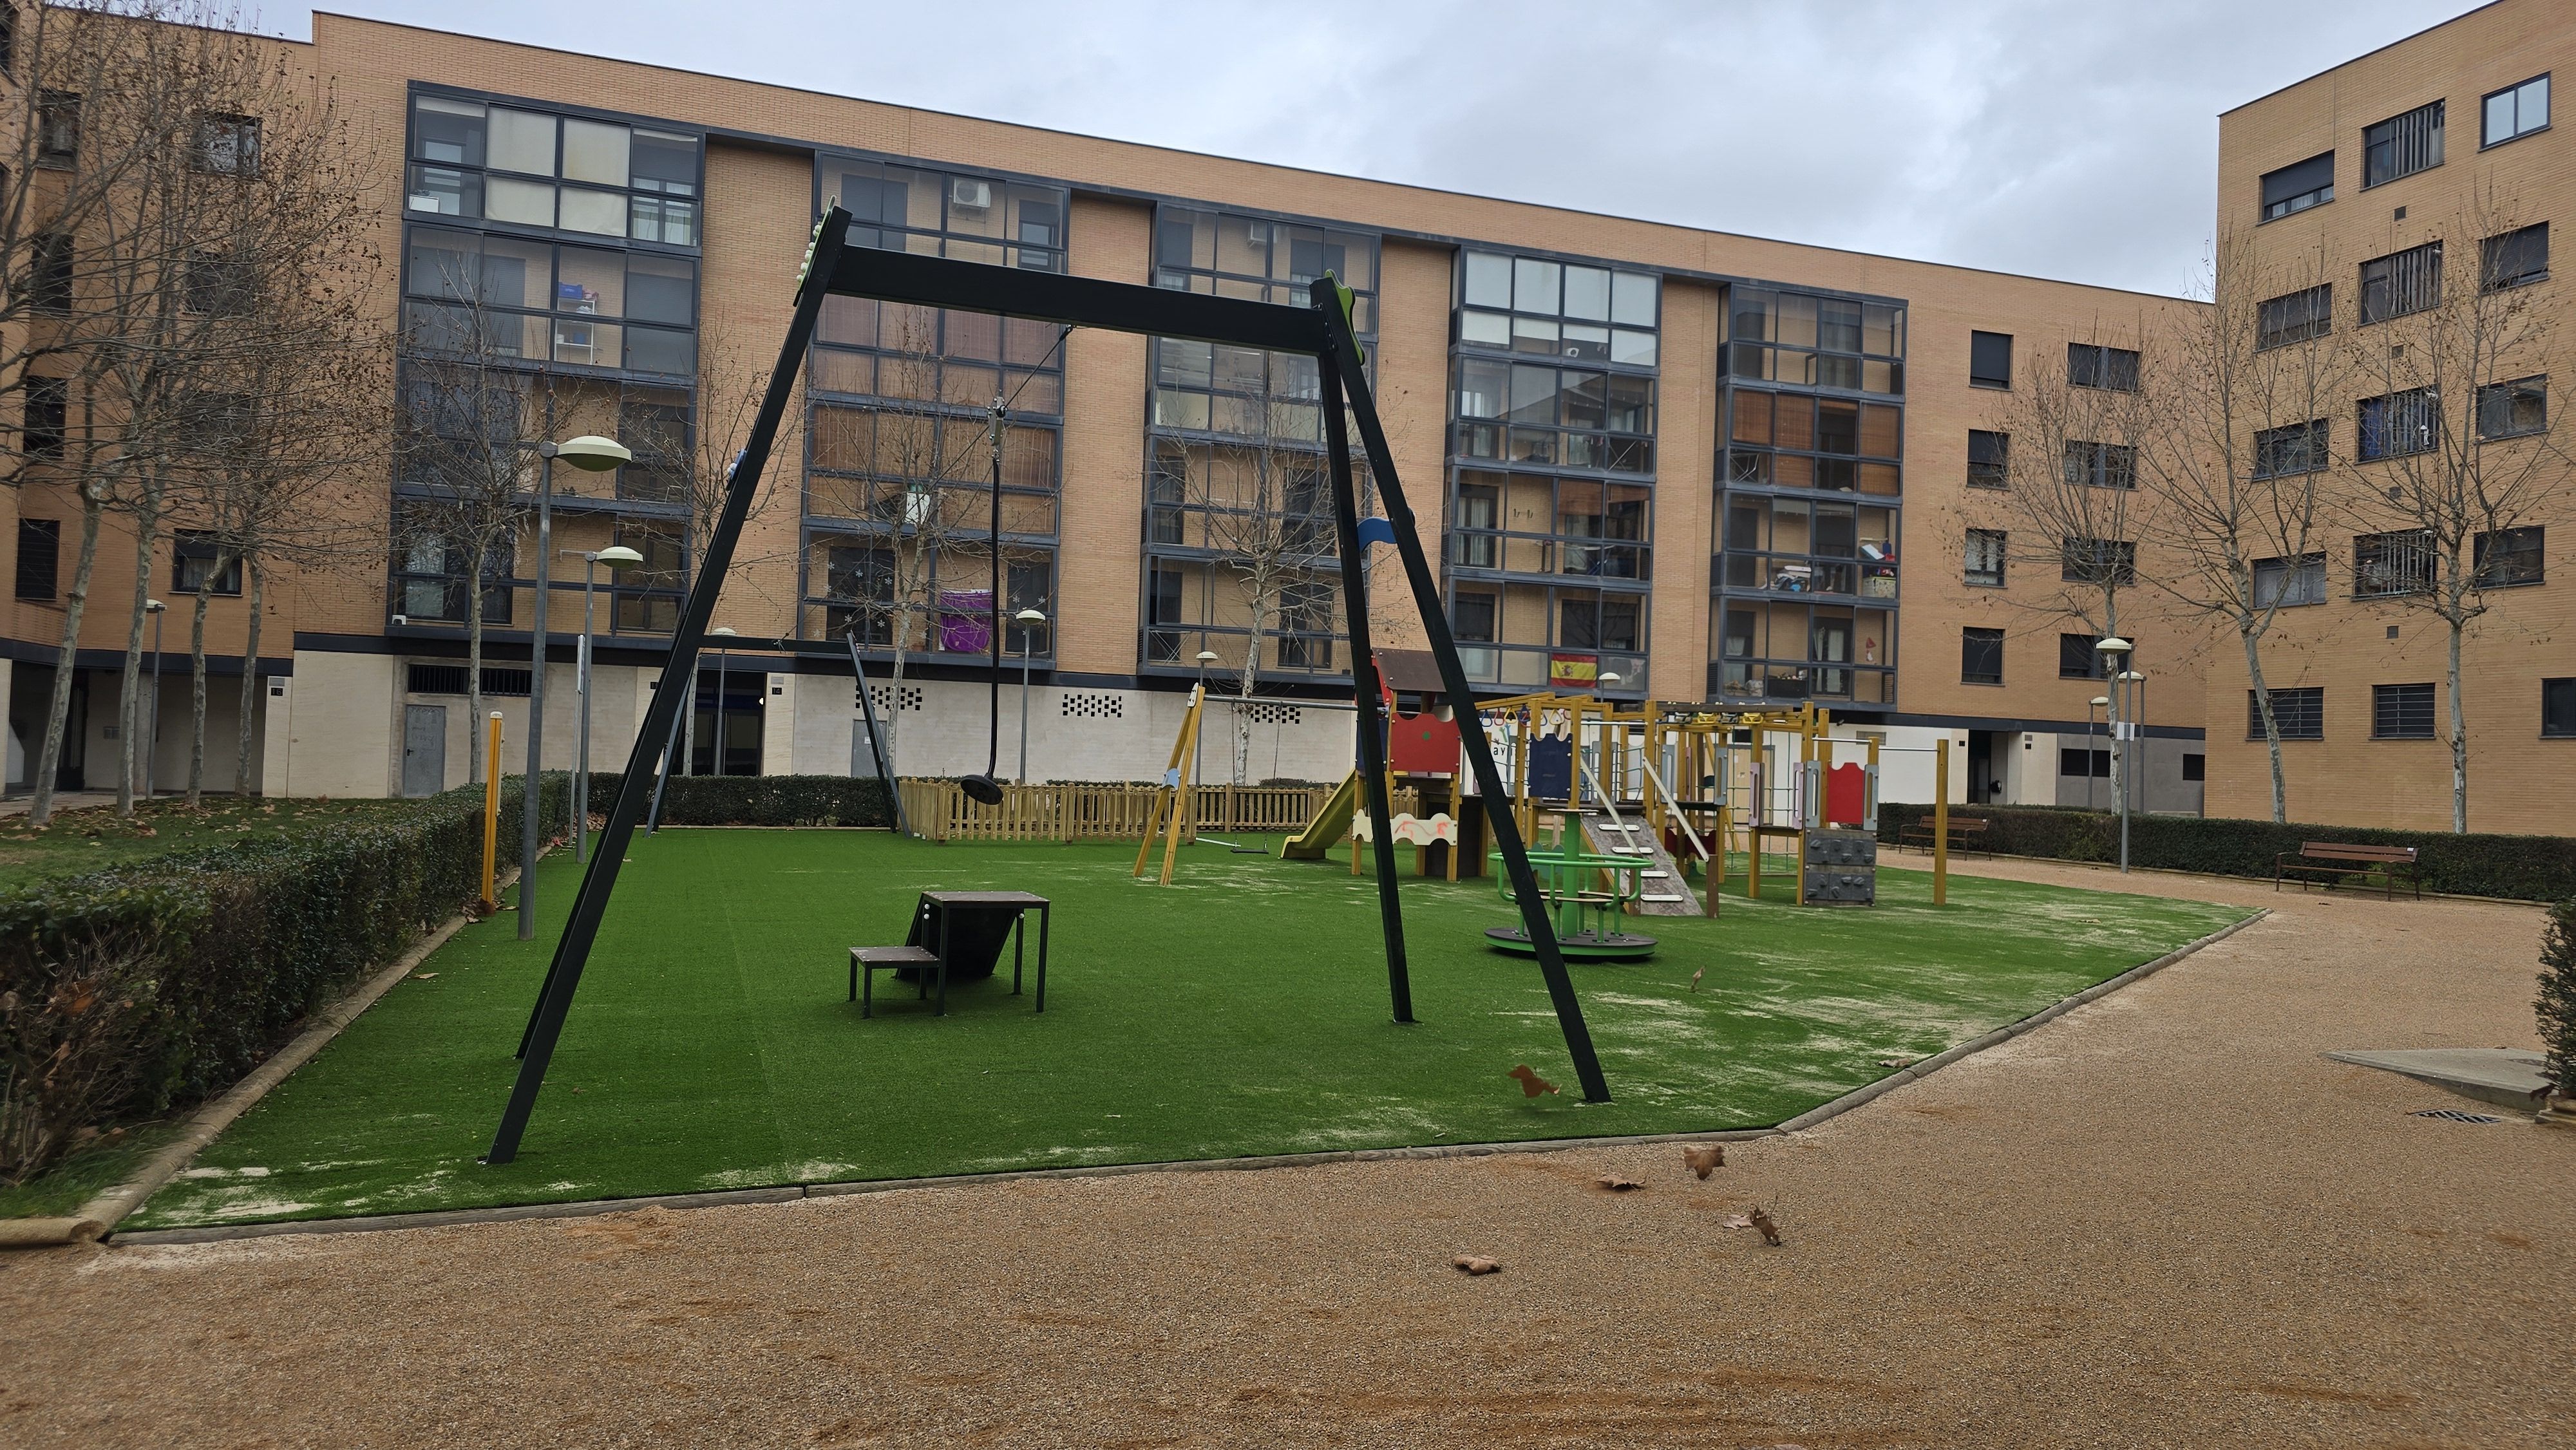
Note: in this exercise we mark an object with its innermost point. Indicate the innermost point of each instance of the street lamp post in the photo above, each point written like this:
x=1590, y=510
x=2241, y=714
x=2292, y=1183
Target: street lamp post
x=152, y=735
x=2137, y=684
x=1028, y=620
x=1198, y=748
x=615, y=556
x=2117, y=650
x=591, y=454
x=2092, y=732
x=723, y=659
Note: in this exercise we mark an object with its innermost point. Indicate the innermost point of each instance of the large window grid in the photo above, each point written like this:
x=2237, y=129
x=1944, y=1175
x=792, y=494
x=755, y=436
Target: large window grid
x=2396, y=424
x=1235, y=468
x=2289, y=451
x=2402, y=145
x=2385, y=565
x=1776, y=650
x=1816, y=341
x=1552, y=472
x=2402, y=712
x=898, y=500
x=1780, y=545
x=2290, y=582
x=2295, y=317
x=2401, y=283
x=554, y=171
x=2299, y=713
x=508, y=298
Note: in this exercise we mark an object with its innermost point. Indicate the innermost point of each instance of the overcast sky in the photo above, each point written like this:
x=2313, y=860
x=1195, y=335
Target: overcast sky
x=2075, y=140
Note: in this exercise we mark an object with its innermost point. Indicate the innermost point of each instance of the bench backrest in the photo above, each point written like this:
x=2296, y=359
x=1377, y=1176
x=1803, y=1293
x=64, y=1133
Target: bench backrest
x=2330, y=851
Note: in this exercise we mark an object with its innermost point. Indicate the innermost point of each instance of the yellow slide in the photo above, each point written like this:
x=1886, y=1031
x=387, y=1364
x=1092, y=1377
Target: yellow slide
x=1329, y=826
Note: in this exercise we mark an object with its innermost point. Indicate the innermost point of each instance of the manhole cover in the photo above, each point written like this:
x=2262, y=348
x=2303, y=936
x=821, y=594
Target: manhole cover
x=2454, y=1115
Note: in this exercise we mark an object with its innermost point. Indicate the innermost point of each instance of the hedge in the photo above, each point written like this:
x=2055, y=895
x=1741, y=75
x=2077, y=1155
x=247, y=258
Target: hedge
x=2557, y=1005
x=2522, y=868
x=760, y=800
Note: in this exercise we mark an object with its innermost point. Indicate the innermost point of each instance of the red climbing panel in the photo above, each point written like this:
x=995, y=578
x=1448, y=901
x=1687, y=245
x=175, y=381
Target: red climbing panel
x=1846, y=795
x=1421, y=744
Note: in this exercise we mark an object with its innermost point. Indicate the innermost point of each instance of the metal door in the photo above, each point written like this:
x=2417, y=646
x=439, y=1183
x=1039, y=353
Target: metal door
x=424, y=770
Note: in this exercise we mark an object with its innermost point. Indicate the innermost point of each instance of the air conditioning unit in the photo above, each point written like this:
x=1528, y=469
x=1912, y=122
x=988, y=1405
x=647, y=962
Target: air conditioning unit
x=971, y=195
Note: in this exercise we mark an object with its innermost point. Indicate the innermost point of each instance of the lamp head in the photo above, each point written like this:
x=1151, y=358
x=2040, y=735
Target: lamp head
x=618, y=556
x=1208, y=657
x=2101, y=701
x=2114, y=645
x=725, y=630
x=2127, y=675
x=591, y=453
x=1030, y=616
x=1608, y=678
x=153, y=606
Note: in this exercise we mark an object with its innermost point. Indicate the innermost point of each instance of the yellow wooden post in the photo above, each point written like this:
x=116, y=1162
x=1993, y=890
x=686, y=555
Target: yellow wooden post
x=1941, y=822
x=1189, y=785
x=491, y=808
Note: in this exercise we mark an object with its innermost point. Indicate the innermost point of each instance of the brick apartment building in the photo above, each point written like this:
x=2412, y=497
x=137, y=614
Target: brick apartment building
x=1717, y=467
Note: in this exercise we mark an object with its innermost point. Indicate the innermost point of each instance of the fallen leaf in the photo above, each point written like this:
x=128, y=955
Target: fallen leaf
x=1616, y=1184
x=1898, y=1062
x=422, y=976
x=1472, y=1264
x=1704, y=1159
x=1531, y=1083
x=1695, y=976
x=1770, y=1230
x=1735, y=1220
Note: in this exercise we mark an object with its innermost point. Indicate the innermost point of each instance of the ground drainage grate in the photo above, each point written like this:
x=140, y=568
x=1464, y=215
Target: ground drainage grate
x=2454, y=1115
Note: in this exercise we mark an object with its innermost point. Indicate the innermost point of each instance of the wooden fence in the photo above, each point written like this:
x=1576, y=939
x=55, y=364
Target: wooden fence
x=939, y=811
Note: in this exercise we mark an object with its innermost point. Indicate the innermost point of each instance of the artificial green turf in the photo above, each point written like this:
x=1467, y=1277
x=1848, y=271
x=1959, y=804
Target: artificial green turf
x=1243, y=1010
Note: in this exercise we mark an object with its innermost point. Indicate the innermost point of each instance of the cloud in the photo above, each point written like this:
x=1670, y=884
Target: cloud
x=2065, y=140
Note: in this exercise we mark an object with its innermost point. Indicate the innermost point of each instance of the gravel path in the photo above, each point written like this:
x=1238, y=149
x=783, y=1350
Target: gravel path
x=2159, y=1221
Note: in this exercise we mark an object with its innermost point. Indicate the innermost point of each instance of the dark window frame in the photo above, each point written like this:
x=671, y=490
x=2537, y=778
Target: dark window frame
x=2297, y=582
x=2520, y=559
x=1981, y=647
x=2096, y=562
x=2388, y=565
x=227, y=145
x=1997, y=542
x=201, y=548
x=39, y=540
x=1989, y=458
x=2525, y=250
x=2294, y=317
x=2497, y=408
x=2401, y=146
x=45, y=417
x=2558, y=709
x=1979, y=345
x=2277, y=201
x=2293, y=449
x=2101, y=465
x=2404, y=283
x=2412, y=416
x=2403, y=712
x=2299, y=712
x=2101, y=366
x=2487, y=139
x=58, y=130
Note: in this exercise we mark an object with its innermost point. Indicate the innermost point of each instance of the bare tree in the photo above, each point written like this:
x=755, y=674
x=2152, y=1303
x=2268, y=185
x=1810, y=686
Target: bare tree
x=2233, y=451
x=2073, y=511
x=1260, y=505
x=2455, y=463
x=141, y=123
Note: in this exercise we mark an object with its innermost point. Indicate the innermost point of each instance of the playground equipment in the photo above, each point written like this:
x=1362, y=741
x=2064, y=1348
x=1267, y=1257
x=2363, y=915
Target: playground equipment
x=1588, y=893
x=1173, y=803
x=1323, y=331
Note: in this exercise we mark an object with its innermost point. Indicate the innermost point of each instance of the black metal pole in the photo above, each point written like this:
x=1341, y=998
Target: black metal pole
x=1364, y=689
x=581, y=929
x=662, y=777
x=1341, y=365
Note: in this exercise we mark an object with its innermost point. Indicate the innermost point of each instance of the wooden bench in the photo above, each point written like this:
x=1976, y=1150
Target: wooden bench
x=1964, y=831
x=2334, y=861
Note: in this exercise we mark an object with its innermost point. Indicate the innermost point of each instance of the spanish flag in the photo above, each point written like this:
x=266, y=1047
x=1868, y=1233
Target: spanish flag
x=1573, y=672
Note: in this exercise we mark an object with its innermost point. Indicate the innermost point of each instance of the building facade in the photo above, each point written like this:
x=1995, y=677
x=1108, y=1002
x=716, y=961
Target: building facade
x=1717, y=467
x=2402, y=204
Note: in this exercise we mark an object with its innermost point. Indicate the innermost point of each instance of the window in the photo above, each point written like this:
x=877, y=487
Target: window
x=2398, y=424
x=2509, y=556
x=2078, y=658
x=2390, y=564
x=2401, y=712
x=1813, y=340
x=2083, y=763
x=2101, y=465
x=951, y=214
x=2401, y=282
x=2285, y=452
x=217, y=285
x=2300, y=714
x=57, y=128
x=1516, y=412
x=2295, y=317
x=2296, y=188
x=50, y=290
x=194, y=554
x=1981, y=656
x=648, y=595
x=228, y=145
x=1559, y=309
x=2516, y=257
x=1986, y=558
x=1474, y=618
x=2099, y=562
x=2557, y=707
x=431, y=575
x=1797, y=440
x=2289, y=583
x=585, y=306
x=40, y=552
x=2515, y=111
x=2510, y=410
x=1990, y=359
x=616, y=181
x=48, y=405
x=2402, y=146
x=1989, y=459
x=2089, y=365
x=2195, y=768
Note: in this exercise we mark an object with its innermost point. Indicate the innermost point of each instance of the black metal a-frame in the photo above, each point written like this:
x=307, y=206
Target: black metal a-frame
x=1322, y=331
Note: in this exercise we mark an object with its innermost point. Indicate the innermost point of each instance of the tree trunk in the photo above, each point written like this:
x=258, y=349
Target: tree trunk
x=2271, y=726
x=250, y=682
x=2459, y=740
x=474, y=731
x=1243, y=696
x=129, y=695
x=197, y=688
x=40, y=808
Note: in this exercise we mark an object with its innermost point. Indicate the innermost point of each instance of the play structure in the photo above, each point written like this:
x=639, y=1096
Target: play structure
x=1323, y=331
x=1589, y=894
x=1683, y=791
x=1172, y=801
